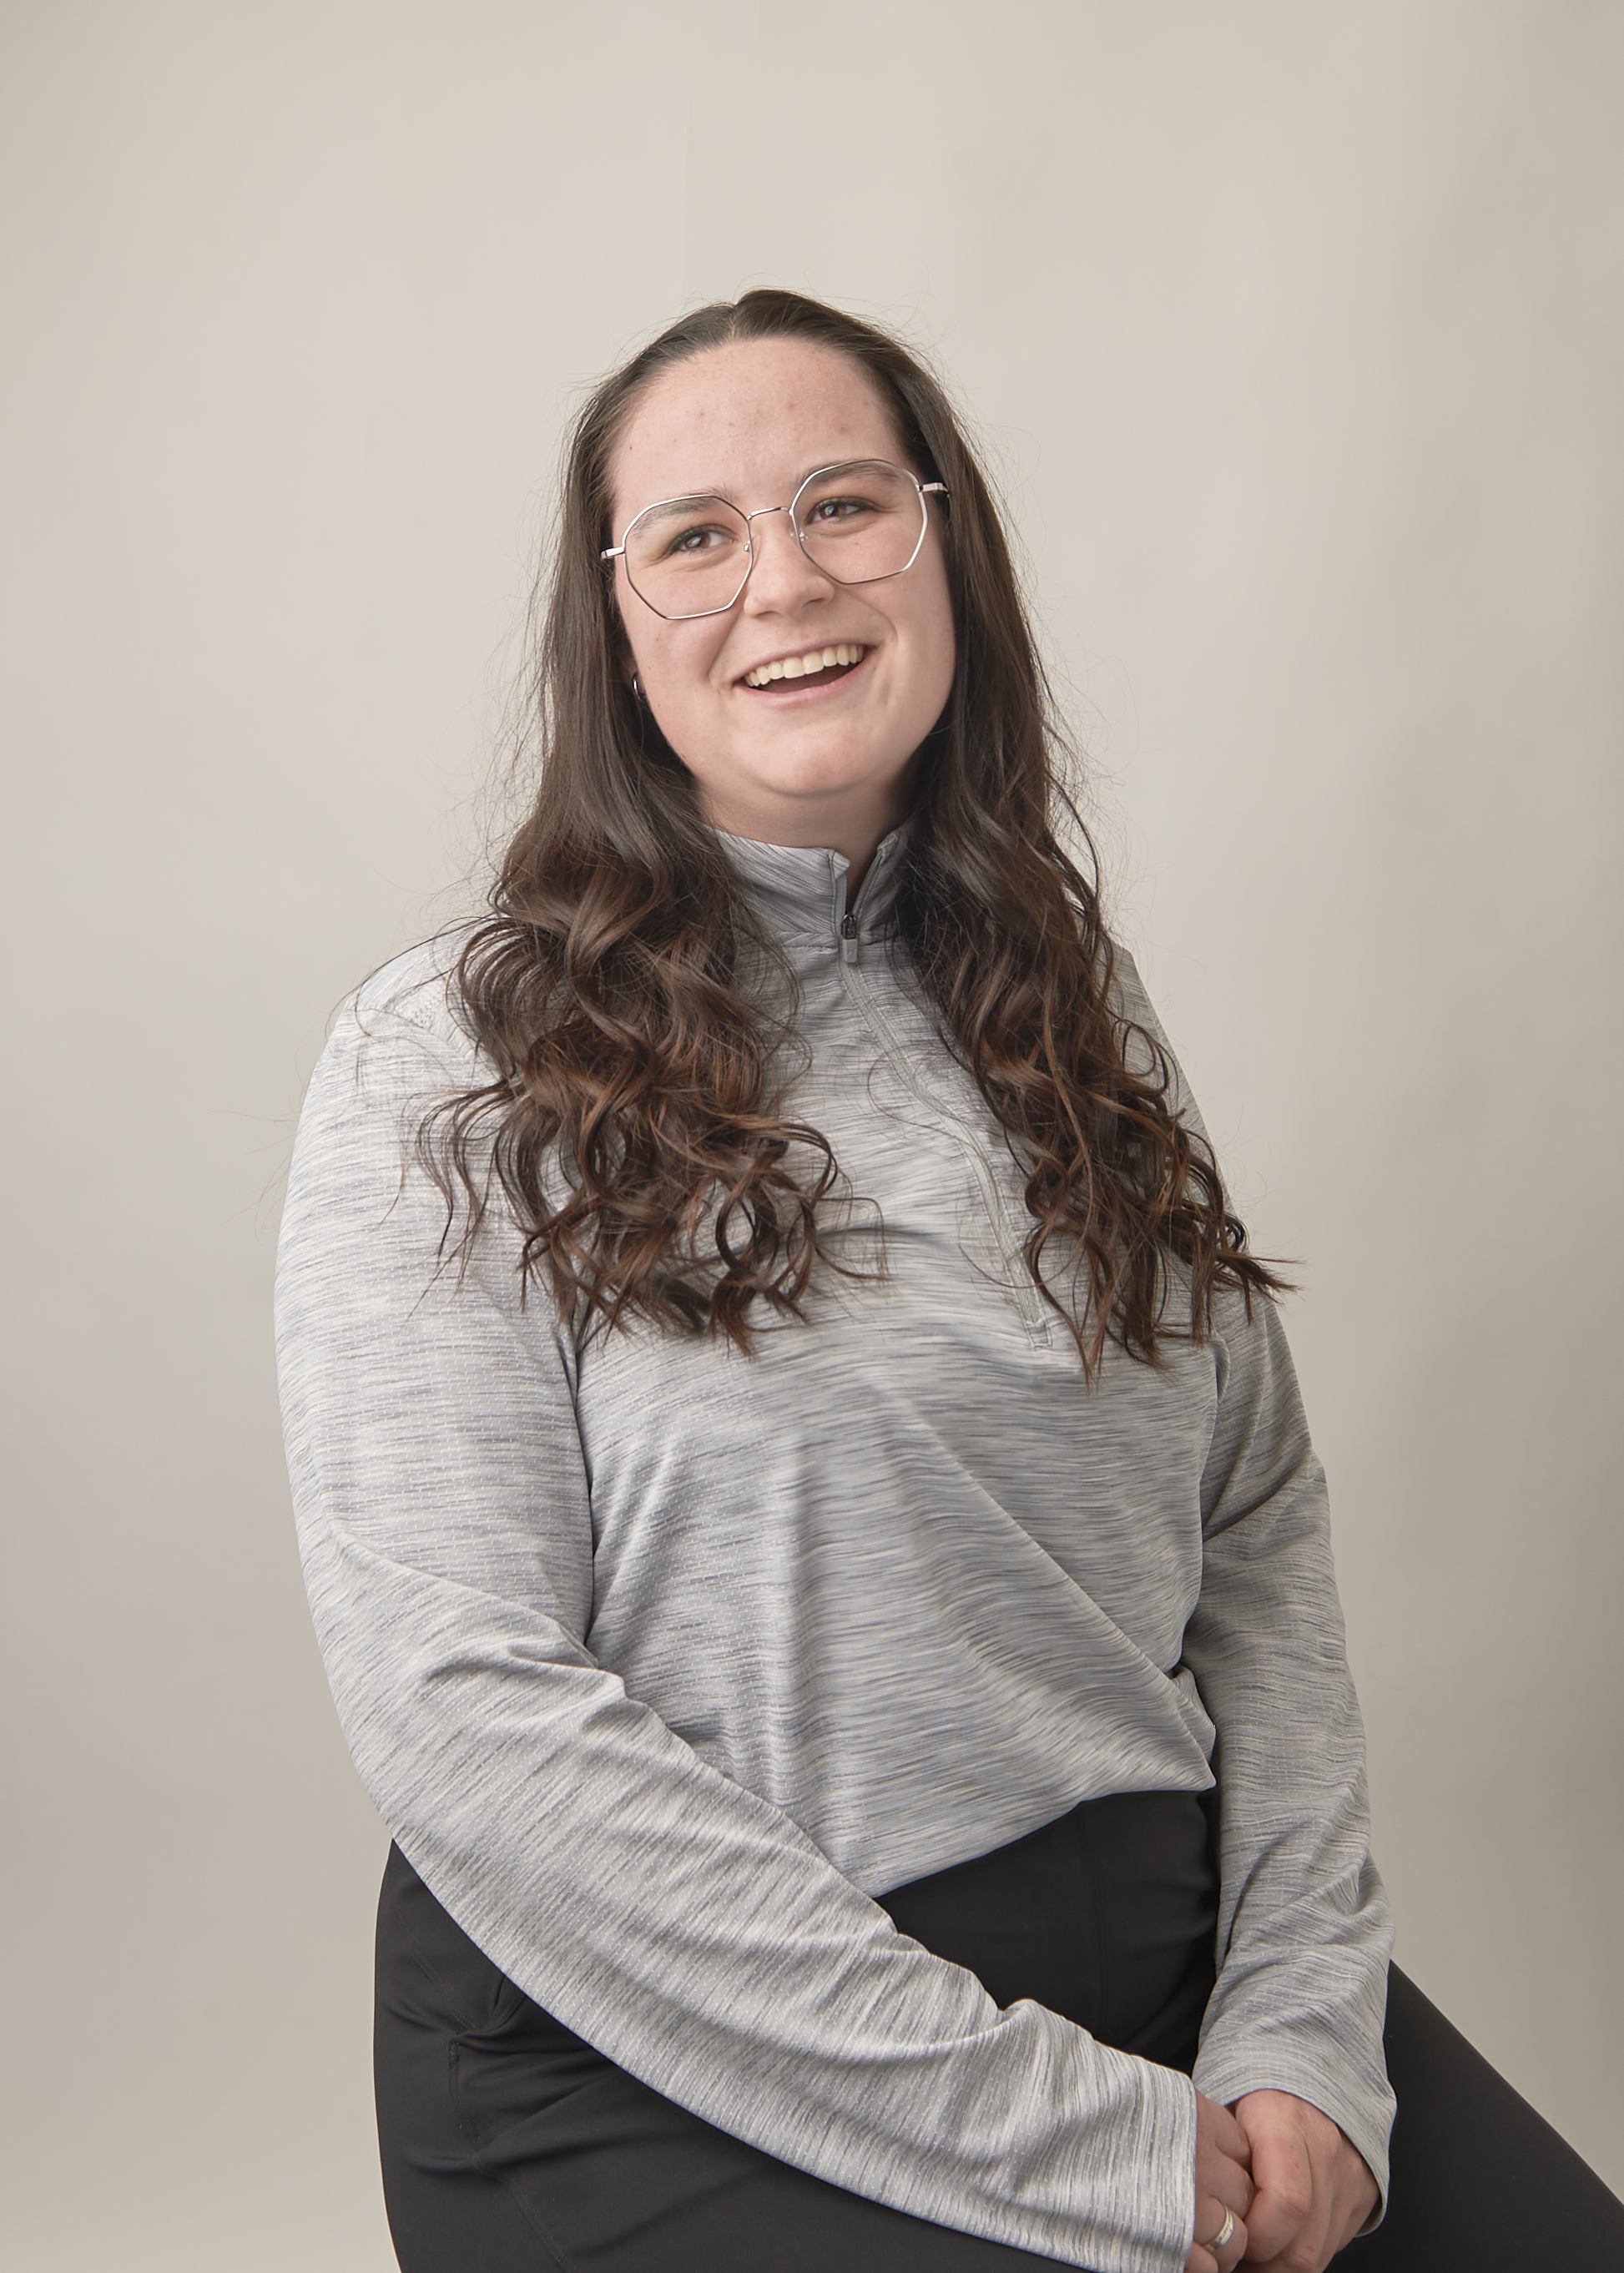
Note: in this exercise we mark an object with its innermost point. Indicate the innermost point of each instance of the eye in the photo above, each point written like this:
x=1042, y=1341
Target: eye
x=689, y=542
x=831, y=511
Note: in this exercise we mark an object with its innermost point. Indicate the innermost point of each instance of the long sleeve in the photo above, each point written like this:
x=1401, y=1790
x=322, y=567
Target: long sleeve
x=1304, y=1930
x=681, y=1923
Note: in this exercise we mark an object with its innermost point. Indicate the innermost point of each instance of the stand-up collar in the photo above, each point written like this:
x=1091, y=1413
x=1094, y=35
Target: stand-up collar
x=803, y=888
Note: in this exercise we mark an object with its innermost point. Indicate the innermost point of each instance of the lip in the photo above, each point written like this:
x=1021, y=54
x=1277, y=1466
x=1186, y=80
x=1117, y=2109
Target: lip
x=793, y=691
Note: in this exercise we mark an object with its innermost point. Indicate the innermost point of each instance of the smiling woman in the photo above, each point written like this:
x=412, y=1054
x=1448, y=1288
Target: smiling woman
x=810, y=649
x=802, y=1489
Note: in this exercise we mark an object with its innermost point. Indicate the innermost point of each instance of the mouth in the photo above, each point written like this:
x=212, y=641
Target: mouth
x=823, y=665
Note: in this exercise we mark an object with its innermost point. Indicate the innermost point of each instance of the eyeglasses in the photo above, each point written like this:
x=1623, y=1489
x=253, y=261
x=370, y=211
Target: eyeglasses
x=857, y=524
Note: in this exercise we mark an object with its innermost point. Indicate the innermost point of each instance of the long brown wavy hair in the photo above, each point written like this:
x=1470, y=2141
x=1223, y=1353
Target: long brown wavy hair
x=632, y=1121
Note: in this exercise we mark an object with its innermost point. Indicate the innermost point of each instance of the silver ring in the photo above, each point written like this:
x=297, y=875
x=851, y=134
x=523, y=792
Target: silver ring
x=1220, y=2241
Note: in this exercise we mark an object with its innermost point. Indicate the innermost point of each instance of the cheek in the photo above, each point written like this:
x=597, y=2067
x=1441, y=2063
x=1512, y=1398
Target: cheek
x=948, y=650
x=674, y=657
x=677, y=671
x=673, y=668
x=651, y=651
x=638, y=633
x=939, y=641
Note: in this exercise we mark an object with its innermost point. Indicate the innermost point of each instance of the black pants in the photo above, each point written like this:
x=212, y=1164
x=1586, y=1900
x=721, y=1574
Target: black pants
x=510, y=2146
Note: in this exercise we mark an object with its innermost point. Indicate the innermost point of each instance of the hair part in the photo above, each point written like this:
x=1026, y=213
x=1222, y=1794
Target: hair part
x=633, y=1121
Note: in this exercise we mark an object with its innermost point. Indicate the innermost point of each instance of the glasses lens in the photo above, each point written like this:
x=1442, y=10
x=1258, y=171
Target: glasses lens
x=689, y=555
x=861, y=522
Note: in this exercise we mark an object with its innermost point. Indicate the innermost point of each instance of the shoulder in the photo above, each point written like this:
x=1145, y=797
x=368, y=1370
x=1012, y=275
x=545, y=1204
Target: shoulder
x=400, y=1039
x=1129, y=999
x=413, y=1002
x=417, y=989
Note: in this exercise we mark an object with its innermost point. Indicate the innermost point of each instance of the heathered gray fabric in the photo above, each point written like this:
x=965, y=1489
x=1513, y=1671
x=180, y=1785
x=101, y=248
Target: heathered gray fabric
x=659, y=1661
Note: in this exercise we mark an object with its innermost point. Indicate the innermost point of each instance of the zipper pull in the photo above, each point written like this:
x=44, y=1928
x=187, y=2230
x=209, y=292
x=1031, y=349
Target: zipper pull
x=850, y=945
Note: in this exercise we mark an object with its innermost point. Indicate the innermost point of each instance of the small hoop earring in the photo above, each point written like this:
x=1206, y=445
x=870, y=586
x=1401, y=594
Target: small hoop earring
x=636, y=689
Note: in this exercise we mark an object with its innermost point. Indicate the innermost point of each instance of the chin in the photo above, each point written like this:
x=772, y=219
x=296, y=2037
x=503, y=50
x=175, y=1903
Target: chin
x=829, y=783
x=828, y=770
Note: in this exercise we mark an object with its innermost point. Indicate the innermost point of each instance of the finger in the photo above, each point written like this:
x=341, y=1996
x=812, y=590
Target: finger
x=1238, y=2192
x=1214, y=2218
x=1284, y=2202
x=1232, y=2185
x=1308, y=2251
x=1199, y=2260
x=1230, y=2139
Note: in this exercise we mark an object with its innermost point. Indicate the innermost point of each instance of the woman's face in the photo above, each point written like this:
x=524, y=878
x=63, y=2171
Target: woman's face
x=824, y=759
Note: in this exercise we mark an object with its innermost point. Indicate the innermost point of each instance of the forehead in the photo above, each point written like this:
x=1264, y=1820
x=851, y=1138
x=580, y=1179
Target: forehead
x=750, y=420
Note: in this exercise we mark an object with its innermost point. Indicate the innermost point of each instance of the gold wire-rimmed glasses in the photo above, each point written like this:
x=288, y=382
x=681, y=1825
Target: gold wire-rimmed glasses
x=858, y=522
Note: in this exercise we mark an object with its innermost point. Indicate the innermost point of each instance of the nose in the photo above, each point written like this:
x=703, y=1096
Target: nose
x=781, y=578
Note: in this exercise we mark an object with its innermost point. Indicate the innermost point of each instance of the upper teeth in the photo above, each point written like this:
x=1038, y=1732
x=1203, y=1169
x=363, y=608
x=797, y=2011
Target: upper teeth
x=802, y=666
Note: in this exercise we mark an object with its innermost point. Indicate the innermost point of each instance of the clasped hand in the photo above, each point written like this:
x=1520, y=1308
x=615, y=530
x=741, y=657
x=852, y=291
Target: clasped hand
x=1296, y=2190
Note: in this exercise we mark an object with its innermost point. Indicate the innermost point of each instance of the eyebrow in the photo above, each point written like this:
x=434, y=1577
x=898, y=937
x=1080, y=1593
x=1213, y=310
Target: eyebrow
x=700, y=489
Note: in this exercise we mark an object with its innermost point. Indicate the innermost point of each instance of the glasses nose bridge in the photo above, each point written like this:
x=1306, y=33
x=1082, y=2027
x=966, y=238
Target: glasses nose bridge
x=762, y=512
x=765, y=512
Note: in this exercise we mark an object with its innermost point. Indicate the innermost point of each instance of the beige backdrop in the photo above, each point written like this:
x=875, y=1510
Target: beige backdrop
x=1294, y=332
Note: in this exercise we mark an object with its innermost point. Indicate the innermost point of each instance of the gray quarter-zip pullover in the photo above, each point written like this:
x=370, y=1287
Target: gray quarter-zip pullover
x=658, y=1661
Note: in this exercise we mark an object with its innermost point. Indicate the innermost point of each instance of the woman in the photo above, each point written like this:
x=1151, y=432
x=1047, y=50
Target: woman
x=802, y=1483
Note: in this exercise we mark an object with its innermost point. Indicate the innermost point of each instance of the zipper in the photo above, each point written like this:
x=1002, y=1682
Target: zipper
x=1028, y=1302
x=848, y=927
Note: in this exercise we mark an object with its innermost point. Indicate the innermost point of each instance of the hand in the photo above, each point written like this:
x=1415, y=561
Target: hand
x=1221, y=2185
x=1314, y=2191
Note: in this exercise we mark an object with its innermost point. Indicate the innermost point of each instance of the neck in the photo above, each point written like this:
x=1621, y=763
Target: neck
x=851, y=829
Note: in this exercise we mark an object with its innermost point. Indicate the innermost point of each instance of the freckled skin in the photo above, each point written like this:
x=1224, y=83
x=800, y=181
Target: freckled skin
x=803, y=764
